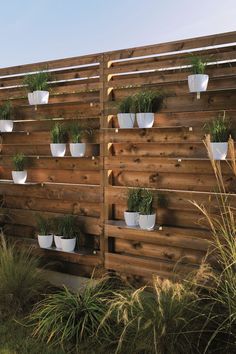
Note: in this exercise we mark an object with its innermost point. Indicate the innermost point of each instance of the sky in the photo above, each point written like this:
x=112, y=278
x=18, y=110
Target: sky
x=40, y=30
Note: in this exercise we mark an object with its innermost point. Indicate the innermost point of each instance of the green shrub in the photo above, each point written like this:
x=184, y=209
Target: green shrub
x=134, y=199
x=127, y=105
x=76, y=132
x=58, y=134
x=66, y=226
x=145, y=206
x=148, y=101
x=6, y=111
x=38, y=81
x=21, y=282
x=198, y=65
x=19, y=162
x=219, y=128
x=44, y=225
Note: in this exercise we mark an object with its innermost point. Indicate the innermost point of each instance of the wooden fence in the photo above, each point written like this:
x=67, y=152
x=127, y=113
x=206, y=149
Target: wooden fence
x=169, y=158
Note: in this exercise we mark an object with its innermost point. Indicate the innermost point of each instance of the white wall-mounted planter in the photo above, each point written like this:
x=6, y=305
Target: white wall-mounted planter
x=58, y=150
x=68, y=245
x=6, y=125
x=77, y=149
x=219, y=150
x=38, y=97
x=19, y=177
x=147, y=222
x=131, y=218
x=198, y=82
x=145, y=120
x=57, y=240
x=126, y=120
x=45, y=241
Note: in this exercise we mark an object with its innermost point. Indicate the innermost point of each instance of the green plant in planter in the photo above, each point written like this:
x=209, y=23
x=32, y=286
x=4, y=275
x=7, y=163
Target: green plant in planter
x=66, y=227
x=76, y=133
x=198, y=65
x=43, y=225
x=59, y=134
x=219, y=128
x=19, y=162
x=127, y=105
x=6, y=111
x=134, y=199
x=148, y=101
x=38, y=81
x=145, y=207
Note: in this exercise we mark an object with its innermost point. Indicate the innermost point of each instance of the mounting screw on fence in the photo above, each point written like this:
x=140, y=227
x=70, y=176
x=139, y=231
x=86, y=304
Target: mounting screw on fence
x=190, y=129
x=27, y=133
x=179, y=160
x=91, y=104
x=93, y=158
x=116, y=130
x=37, y=157
x=160, y=228
x=94, y=252
x=42, y=184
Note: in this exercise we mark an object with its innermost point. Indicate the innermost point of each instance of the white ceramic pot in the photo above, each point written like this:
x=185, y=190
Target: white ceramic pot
x=58, y=150
x=19, y=177
x=126, y=120
x=219, y=150
x=38, y=97
x=147, y=222
x=145, y=120
x=68, y=245
x=77, y=149
x=45, y=241
x=198, y=82
x=57, y=240
x=131, y=218
x=6, y=125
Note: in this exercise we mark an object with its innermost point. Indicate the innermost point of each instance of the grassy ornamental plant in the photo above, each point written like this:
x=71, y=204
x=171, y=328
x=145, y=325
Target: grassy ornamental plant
x=198, y=65
x=145, y=207
x=6, y=111
x=19, y=162
x=76, y=133
x=148, y=101
x=59, y=134
x=134, y=199
x=66, y=226
x=127, y=105
x=38, y=81
x=44, y=225
x=219, y=128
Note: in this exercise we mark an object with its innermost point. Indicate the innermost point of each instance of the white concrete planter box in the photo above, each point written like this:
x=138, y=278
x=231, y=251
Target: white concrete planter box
x=77, y=149
x=57, y=240
x=198, y=82
x=219, y=150
x=145, y=120
x=126, y=120
x=68, y=245
x=6, y=125
x=19, y=177
x=38, y=97
x=45, y=241
x=58, y=150
x=147, y=222
x=131, y=218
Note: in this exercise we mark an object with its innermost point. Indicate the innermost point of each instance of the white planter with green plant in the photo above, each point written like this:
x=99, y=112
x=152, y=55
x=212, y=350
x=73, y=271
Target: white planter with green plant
x=6, y=117
x=77, y=148
x=131, y=215
x=37, y=85
x=219, y=130
x=126, y=113
x=198, y=81
x=147, y=103
x=19, y=175
x=147, y=217
x=45, y=237
x=68, y=232
x=59, y=139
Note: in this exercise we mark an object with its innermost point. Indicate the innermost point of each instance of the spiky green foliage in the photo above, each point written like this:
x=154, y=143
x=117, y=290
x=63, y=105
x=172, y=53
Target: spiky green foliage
x=72, y=319
x=19, y=162
x=44, y=225
x=59, y=134
x=6, y=111
x=145, y=206
x=76, y=132
x=134, y=199
x=127, y=105
x=38, y=81
x=198, y=65
x=21, y=281
x=148, y=101
x=219, y=128
x=66, y=226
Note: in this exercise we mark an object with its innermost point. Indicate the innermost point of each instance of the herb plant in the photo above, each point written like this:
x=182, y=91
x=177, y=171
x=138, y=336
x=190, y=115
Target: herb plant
x=127, y=105
x=76, y=133
x=145, y=207
x=219, y=128
x=66, y=227
x=19, y=161
x=148, y=101
x=38, y=81
x=198, y=65
x=6, y=111
x=58, y=134
x=134, y=199
x=43, y=225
